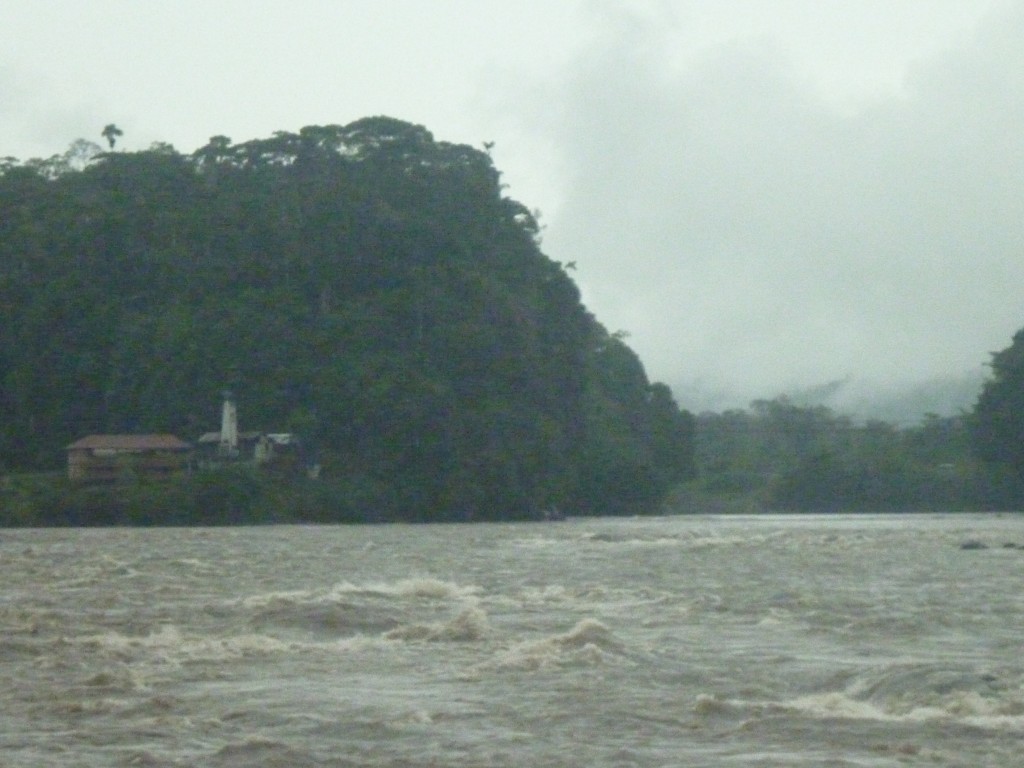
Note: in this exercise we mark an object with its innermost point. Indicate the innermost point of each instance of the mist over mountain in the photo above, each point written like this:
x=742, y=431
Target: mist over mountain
x=754, y=231
x=860, y=398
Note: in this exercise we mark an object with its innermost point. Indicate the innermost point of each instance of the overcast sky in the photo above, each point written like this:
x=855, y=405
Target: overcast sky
x=766, y=194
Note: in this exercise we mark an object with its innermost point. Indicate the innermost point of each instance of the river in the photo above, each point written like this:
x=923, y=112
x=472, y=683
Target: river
x=686, y=641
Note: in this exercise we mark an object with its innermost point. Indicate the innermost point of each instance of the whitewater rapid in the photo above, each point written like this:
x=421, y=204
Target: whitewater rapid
x=688, y=641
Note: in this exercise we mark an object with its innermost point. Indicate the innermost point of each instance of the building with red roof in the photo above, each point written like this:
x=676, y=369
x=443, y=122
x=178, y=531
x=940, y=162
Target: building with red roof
x=106, y=458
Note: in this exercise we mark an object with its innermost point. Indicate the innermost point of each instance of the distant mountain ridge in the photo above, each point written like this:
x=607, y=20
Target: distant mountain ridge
x=860, y=399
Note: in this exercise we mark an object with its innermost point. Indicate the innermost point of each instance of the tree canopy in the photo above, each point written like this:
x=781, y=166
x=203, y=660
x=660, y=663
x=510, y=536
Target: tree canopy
x=365, y=285
x=782, y=456
x=997, y=424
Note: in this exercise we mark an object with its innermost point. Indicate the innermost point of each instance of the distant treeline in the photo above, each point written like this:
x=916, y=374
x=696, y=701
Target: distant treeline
x=783, y=457
x=364, y=286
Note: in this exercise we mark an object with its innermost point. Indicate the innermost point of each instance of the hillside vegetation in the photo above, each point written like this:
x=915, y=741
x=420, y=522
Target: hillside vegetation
x=365, y=286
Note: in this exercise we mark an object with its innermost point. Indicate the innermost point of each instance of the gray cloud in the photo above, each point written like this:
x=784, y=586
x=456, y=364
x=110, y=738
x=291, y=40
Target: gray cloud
x=29, y=122
x=753, y=237
x=763, y=193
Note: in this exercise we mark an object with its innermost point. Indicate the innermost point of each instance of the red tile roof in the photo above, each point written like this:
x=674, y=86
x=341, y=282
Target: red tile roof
x=130, y=443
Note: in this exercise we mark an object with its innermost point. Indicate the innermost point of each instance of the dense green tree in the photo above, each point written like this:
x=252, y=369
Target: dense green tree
x=998, y=419
x=639, y=442
x=365, y=284
x=997, y=422
x=781, y=456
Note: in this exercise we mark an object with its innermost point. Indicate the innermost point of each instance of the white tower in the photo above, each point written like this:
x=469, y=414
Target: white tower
x=229, y=427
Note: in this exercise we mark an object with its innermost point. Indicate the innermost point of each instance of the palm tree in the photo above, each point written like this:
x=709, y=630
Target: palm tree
x=110, y=133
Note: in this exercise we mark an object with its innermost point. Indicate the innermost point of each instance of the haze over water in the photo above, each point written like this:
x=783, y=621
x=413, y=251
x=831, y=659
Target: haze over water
x=692, y=641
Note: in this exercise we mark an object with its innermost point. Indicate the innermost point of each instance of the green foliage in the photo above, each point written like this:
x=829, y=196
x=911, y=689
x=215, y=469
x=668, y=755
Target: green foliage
x=364, y=285
x=641, y=444
x=997, y=423
x=785, y=457
x=224, y=497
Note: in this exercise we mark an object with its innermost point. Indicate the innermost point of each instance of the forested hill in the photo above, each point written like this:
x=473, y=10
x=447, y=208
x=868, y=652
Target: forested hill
x=365, y=286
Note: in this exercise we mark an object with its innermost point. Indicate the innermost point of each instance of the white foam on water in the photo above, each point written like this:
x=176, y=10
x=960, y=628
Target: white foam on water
x=903, y=691
x=688, y=540
x=165, y=639
x=539, y=542
x=353, y=609
x=617, y=539
x=588, y=643
x=962, y=707
x=422, y=587
x=168, y=646
x=549, y=593
x=471, y=624
x=294, y=596
x=588, y=632
x=966, y=707
x=235, y=647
